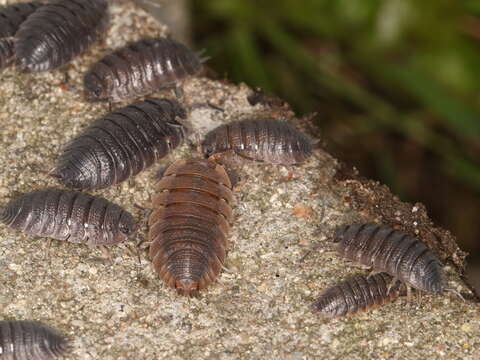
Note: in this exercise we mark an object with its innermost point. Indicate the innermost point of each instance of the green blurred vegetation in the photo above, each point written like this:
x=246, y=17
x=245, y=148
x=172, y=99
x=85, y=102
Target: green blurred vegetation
x=395, y=84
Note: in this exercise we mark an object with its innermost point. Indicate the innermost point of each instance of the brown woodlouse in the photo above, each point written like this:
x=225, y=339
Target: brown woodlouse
x=57, y=32
x=355, y=294
x=189, y=224
x=266, y=140
x=139, y=69
x=69, y=215
x=11, y=17
x=121, y=144
x=30, y=340
x=392, y=251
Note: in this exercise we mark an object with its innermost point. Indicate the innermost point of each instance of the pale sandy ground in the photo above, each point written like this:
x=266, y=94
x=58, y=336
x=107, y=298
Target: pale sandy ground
x=259, y=309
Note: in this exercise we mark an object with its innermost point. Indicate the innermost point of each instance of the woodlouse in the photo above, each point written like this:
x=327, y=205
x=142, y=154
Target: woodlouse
x=267, y=140
x=139, y=69
x=394, y=252
x=30, y=340
x=355, y=294
x=12, y=16
x=189, y=224
x=121, y=144
x=69, y=215
x=57, y=32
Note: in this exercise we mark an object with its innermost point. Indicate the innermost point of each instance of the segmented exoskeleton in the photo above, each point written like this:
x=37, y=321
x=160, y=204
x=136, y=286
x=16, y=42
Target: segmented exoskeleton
x=6, y=53
x=139, y=69
x=189, y=224
x=59, y=31
x=30, y=340
x=394, y=252
x=69, y=215
x=267, y=140
x=121, y=144
x=355, y=294
x=12, y=16
x=10, y=19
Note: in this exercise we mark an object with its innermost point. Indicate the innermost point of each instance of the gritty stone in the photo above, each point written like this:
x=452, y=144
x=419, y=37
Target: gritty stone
x=116, y=307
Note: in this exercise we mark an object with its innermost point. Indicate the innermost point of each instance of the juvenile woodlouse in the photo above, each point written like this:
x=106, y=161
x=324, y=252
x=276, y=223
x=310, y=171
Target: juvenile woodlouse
x=139, y=69
x=12, y=16
x=355, y=294
x=30, y=340
x=189, y=224
x=69, y=215
x=57, y=32
x=394, y=252
x=267, y=140
x=121, y=144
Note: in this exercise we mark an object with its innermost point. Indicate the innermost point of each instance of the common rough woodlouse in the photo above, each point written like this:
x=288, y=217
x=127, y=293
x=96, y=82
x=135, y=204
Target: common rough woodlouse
x=121, y=144
x=30, y=340
x=392, y=251
x=69, y=215
x=57, y=32
x=190, y=223
x=265, y=139
x=139, y=69
x=354, y=294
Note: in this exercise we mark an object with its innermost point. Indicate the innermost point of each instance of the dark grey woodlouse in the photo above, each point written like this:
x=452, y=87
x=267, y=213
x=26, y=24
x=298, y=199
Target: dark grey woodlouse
x=121, y=144
x=355, y=294
x=267, y=140
x=30, y=340
x=190, y=223
x=12, y=16
x=139, y=69
x=59, y=31
x=394, y=252
x=69, y=215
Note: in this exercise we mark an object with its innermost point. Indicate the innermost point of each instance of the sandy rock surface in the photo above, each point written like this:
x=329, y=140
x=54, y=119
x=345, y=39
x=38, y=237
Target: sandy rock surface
x=259, y=308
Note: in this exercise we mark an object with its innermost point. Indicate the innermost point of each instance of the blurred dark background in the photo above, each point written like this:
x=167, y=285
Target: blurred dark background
x=395, y=84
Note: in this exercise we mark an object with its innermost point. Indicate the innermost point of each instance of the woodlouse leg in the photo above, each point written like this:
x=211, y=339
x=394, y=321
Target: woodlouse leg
x=179, y=93
x=106, y=253
x=392, y=283
x=409, y=294
x=455, y=292
x=134, y=252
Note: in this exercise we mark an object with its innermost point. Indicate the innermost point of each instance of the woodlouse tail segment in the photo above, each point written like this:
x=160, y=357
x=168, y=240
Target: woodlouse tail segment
x=24, y=339
x=187, y=287
x=70, y=176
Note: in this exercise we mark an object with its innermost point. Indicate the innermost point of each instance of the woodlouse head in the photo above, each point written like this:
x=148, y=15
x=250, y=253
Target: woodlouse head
x=96, y=89
x=430, y=279
x=127, y=225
